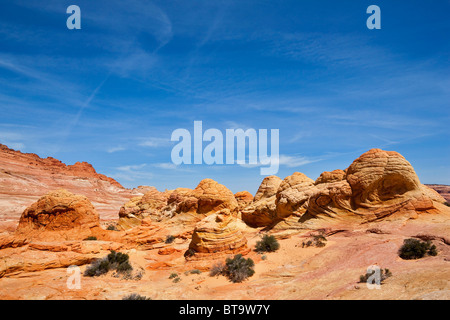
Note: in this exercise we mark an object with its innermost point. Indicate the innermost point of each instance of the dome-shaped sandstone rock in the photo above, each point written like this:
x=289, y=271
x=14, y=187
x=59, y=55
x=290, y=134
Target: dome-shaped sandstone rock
x=218, y=234
x=58, y=211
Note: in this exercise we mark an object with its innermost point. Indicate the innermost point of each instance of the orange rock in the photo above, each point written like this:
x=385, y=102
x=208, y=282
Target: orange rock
x=244, y=198
x=217, y=234
x=167, y=251
x=138, y=208
x=25, y=177
x=208, y=197
x=59, y=211
x=333, y=176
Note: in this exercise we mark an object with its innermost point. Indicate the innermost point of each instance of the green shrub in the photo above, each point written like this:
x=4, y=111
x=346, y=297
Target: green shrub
x=135, y=296
x=189, y=253
x=173, y=275
x=195, y=271
x=267, y=244
x=113, y=261
x=238, y=269
x=112, y=227
x=447, y=204
x=416, y=249
x=170, y=239
x=384, y=274
x=317, y=240
x=91, y=238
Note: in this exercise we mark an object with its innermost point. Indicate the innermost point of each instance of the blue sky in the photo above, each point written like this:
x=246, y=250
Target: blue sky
x=113, y=92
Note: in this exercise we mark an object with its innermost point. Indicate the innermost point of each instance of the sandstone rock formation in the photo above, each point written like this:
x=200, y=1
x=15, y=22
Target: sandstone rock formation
x=138, y=208
x=244, y=198
x=208, y=197
x=333, y=176
x=216, y=235
x=262, y=211
x=378, y=176
x=293, y=192
x=72, y=216
x=377, y=185
x=25, y=177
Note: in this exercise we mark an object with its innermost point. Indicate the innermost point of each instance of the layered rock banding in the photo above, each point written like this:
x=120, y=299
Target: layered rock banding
x=216, y=235
x=376, y=185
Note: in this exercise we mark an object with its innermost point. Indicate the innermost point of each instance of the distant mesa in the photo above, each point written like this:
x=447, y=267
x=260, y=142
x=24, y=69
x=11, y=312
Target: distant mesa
x=79, y=169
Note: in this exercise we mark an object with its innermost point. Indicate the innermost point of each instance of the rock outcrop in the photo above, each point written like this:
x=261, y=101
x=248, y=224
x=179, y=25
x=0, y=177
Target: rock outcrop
x=333, y=176
x=138, y=208
x=377, y=185
x=293, y=192
x=262, y=211
x=243, y=198
x=207, y=198
x=68, y=215
x=25, y=177
x=216, y=235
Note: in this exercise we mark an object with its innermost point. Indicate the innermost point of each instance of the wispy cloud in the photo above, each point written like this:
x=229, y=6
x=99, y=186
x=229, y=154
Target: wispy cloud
x=115, y=149
x=154, y=142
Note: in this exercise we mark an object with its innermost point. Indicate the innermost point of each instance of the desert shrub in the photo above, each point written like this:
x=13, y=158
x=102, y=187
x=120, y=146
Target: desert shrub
x=238, y=269
x=447, y=204
x=189, y=253
x=195, y=271
x=112, y=227
x=264, y=257
x=177, y=279
x=169, y=239
x=135, y=296
x=91, y=238
x=267, y=244
x=416, y=249
x=113, y=261
x=97, y=268
x=173, y=275
x=384, y=274
x=317, y=240
x=217, y=269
